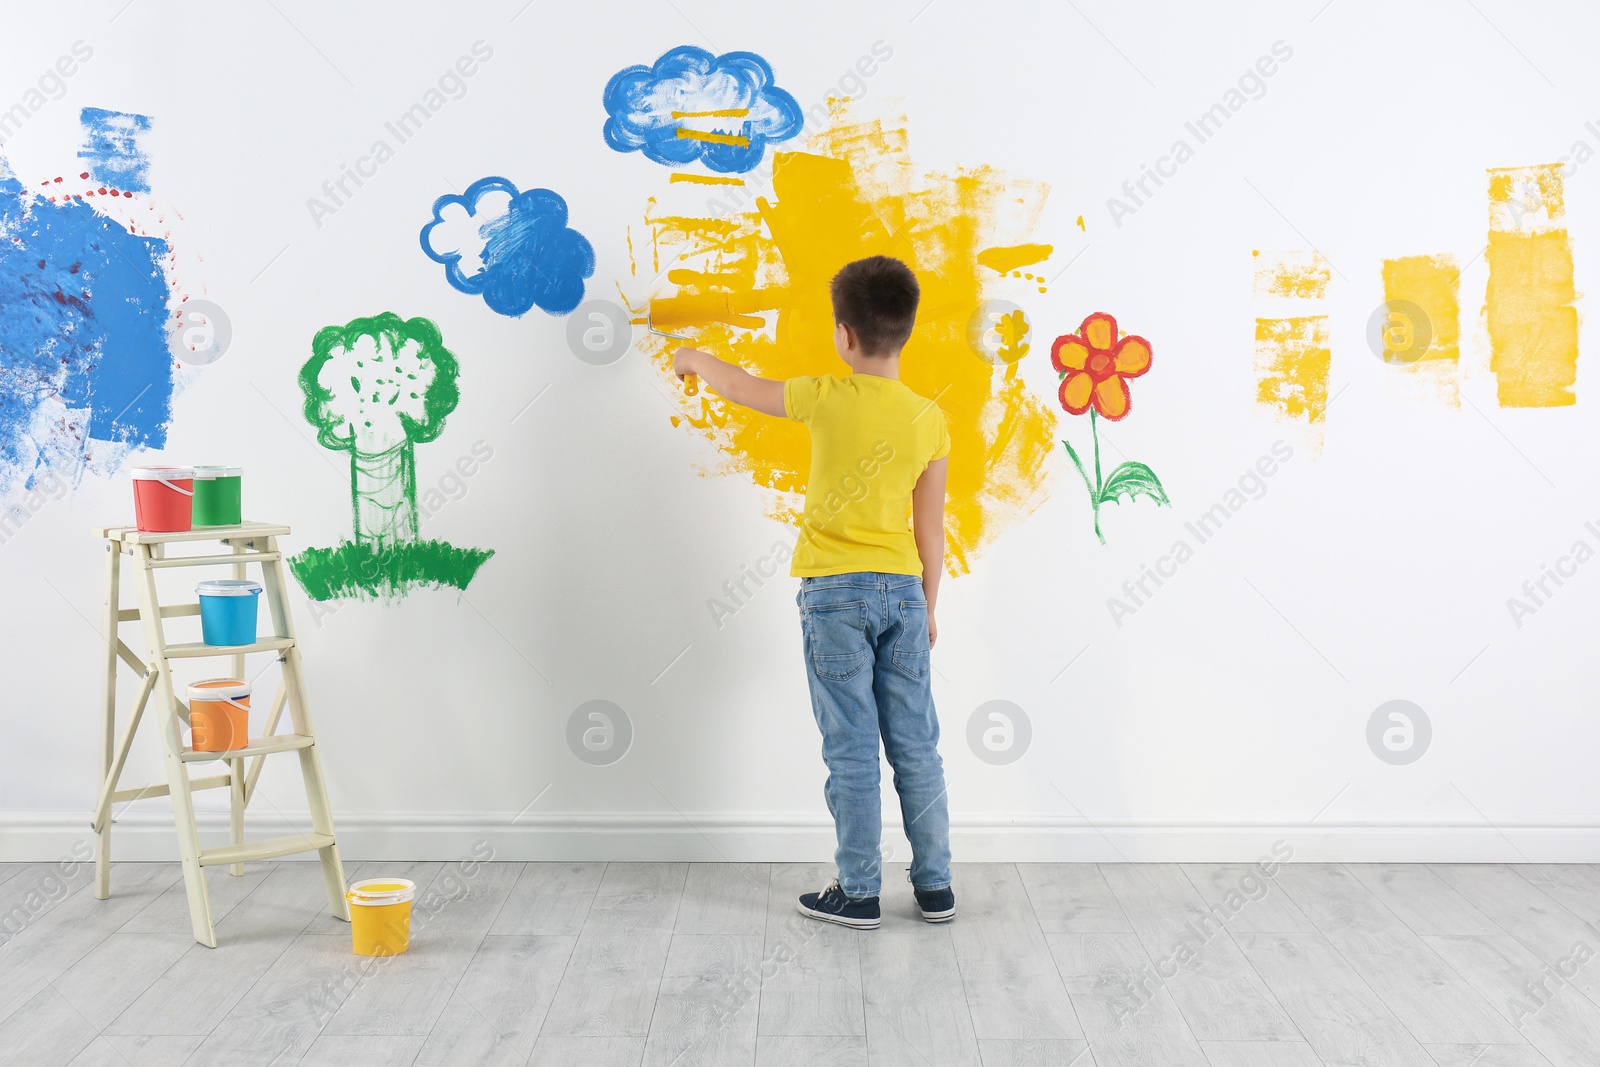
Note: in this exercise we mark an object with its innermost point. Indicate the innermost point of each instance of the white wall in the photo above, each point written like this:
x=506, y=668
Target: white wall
x=1229, y=712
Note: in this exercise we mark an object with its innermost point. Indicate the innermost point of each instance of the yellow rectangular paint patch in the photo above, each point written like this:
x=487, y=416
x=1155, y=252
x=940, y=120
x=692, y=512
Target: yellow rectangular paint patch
x=1301, y=275
x=1532, y=323
x=1424, y=320
x=715, y=138
x=1292, y=360
x=704, y=179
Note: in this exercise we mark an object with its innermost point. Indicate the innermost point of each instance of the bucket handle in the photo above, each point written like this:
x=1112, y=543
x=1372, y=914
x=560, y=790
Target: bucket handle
x=176, y=488
x=223, y=700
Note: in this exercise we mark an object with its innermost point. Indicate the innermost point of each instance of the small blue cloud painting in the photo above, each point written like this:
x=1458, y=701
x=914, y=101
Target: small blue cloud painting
x=113, y=151
x=722, y=110
x=86, y=374
x=512, y=248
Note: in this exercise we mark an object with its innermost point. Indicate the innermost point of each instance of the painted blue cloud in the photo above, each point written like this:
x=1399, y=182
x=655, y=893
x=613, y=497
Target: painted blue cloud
x=83, y=336
x=513, y=249
x=647, y=106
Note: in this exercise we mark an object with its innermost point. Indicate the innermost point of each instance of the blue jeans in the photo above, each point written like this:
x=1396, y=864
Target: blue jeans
x=867, y=662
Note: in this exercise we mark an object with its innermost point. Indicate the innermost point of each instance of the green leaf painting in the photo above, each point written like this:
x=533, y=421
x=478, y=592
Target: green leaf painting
x=1134, y=479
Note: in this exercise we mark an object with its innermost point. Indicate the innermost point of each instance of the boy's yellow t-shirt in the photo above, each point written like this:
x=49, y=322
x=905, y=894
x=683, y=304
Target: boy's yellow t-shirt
x=871, y=439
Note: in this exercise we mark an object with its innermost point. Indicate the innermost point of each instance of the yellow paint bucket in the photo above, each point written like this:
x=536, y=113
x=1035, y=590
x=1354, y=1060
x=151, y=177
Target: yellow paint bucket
x=380, y=919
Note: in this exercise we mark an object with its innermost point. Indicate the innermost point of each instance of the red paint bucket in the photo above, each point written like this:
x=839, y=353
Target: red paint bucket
x=163, y=499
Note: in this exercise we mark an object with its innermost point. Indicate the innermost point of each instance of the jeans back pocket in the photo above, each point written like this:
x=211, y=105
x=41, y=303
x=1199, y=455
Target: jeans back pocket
x=837, y=634
x=912, y=654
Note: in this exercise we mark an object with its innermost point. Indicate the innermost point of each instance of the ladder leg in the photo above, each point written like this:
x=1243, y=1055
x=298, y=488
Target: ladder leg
x=300, y=715
x=236, y=802
x=102, y=854
x=316, y=789
x=194, y=879
x=237, y=795
x=239, y=571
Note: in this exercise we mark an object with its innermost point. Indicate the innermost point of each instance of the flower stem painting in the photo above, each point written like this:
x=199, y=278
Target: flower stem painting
x=1095, y=365
x=376, y=388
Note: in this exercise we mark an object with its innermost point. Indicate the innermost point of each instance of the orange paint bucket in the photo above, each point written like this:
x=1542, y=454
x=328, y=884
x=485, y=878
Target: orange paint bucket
x=380, y=920
x=219, y=714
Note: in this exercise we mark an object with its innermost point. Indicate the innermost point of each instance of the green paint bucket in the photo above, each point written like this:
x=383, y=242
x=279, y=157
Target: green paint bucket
x=217, y=492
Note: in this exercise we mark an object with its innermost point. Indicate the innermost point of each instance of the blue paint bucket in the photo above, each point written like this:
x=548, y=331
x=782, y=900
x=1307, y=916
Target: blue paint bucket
x=228, y=610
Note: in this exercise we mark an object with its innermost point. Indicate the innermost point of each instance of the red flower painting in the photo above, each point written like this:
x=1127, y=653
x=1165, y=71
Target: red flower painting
x=1095, y=364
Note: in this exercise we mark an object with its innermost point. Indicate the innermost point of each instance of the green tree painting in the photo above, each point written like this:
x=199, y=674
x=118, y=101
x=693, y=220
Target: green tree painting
x=376, y=388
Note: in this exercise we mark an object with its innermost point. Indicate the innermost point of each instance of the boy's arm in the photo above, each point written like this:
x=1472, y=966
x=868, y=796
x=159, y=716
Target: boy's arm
x=927, y=526
x=731, y=382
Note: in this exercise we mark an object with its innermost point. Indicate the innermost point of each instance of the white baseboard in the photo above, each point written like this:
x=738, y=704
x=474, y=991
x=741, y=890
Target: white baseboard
x=52, y=836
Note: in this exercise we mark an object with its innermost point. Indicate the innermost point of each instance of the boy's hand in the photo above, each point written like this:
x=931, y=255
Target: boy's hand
x=684, y=360
x=933, y=630
x=729, y=381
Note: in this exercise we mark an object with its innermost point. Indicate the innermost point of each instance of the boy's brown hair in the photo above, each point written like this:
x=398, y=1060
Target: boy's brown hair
x=877, y=298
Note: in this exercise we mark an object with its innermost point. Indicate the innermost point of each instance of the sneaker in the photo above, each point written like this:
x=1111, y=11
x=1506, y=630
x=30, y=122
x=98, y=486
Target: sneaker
x=832, y=906
x=938, y=905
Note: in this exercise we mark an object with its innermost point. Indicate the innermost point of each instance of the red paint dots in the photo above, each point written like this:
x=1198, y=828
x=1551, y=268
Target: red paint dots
x=58, y=181
x=129, y=195
x=84, y=175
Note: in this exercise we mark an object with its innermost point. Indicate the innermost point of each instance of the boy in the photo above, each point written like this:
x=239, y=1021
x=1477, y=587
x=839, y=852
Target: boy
x=869, y=557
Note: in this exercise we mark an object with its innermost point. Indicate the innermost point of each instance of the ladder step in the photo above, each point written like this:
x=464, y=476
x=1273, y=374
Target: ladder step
x=258, y=746
x=160, y=789
x=193, y=649
x=172, y=611
x=130, y=535
x=215, y=561
x=266, y=849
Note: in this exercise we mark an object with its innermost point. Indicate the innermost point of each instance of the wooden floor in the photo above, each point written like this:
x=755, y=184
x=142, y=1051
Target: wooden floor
x=591, y=964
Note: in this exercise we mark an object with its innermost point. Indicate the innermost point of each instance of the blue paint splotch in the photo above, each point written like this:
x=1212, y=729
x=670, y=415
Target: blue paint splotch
x=113, y=148
x=84, y=353
x=513, y=248
x=660, y=109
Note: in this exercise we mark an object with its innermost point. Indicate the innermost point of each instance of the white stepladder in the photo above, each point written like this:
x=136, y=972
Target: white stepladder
x=248, y=543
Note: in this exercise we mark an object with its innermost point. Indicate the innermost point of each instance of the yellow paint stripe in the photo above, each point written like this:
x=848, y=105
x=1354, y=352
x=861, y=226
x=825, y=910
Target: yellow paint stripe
x=1292, y=361
x=705, y=179
x=1533, y=325
x=727, y=112
x=686, y=224
x=711, y=279
x=715, y=138
x=1011, y=257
